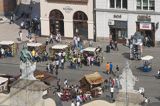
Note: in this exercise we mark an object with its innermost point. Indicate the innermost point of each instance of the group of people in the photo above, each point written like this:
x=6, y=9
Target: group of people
x=39, y=56
x=51, y=38
x=68, y=92
x=58, y=61
x=113, y=45
x=109, y=68
x=5, y=52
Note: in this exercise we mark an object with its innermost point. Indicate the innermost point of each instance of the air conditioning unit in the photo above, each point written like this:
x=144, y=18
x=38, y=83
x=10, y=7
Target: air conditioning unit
x=110, y=22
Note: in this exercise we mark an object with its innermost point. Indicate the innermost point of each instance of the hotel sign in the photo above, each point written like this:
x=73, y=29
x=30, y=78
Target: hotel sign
x=67, y=9
x=69, y=1
x=145, y=26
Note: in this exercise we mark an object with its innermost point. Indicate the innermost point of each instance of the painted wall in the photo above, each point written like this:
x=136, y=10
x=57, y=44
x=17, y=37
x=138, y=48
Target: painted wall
x=46, y=8
x=104, y=14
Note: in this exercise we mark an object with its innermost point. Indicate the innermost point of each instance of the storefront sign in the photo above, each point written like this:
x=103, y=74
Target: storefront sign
x=67, y=9
x=145, y=26
x=144, y=18
x=117, y=16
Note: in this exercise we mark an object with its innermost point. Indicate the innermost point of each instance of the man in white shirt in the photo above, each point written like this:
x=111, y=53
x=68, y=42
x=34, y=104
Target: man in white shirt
x=2, y=52
x=72, y=104
x=112, y=92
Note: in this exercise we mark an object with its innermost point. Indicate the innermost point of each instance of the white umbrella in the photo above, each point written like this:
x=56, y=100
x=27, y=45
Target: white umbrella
x=147, y=58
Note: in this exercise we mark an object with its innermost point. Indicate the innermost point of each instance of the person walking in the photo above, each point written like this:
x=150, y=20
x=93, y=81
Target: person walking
x=51, y=39
x=20, y=35
x=62, y=63
x=112, y=92
x=116, y=45
x=72, y=104
x=58, y=85
x=57, y=67
x=111, y=68
x=108, y=68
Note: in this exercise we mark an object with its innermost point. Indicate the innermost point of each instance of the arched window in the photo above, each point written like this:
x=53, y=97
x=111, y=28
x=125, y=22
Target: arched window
x=79, y=15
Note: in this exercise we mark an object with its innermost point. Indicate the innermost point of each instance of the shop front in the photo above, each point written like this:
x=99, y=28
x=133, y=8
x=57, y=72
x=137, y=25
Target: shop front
x=147, y=29
x=118, y=31
x=67, y=17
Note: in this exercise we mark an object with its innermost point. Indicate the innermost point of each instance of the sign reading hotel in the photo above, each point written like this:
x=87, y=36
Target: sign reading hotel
x=69, y=1
x=145, y=26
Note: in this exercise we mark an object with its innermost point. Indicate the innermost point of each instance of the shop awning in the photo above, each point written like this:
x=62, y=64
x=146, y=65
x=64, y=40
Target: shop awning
x=94, y=78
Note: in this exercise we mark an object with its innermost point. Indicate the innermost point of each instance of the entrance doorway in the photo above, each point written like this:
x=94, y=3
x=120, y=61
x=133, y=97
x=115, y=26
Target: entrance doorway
x=148, y=34
x=118, y=31
x=80, y=25
x=56, y=22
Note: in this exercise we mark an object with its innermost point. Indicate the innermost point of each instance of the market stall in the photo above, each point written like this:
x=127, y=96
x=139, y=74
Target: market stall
x=58, y=48
x=36, y=46
x=91, y=82
x=147, y=63
x=9, y=47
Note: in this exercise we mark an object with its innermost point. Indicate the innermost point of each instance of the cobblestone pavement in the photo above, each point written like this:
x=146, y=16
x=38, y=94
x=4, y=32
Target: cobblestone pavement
x=146, y=80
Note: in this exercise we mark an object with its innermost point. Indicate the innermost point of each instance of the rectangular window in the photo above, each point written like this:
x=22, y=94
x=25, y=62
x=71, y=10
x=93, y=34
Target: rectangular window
x=118, y=3
x=124, y=4
x=139, y=4
x=145, y=4
x=151, y=4
x=112, y=4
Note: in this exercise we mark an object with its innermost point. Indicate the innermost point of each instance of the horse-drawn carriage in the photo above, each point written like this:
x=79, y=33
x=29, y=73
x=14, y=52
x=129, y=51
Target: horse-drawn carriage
x=9, y=47
x=58, y=48
x=36, y=46
x=96, y=53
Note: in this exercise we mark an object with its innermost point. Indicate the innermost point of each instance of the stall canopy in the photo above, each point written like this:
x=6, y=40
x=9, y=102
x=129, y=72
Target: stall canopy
x=94, y=78
x=6, y=42
x=34, y=44
x=90, y=49
x=59, y=46
x=147, y=58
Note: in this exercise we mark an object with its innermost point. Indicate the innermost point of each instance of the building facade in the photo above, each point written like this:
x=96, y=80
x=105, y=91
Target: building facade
x=120, y=19
x=67, y=17
x=6, y=6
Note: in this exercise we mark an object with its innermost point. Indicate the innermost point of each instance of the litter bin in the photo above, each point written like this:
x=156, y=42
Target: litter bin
x=107, y=48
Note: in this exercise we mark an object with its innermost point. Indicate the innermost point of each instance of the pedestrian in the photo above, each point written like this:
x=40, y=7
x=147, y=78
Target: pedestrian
x=92, y=60
x=20, y=35
x=158, y=73
x=51, y=39
x=29, y=33
x=57, y=67
x=78, y=40
x=72, y=104
x=11, y=19
x=62, y=63
x=58, y=85
x=47, y=41
x=2, y=52
x=117, y=68
x=111, y=44
x=111, y=68
x=77, y=103
x=65, y=83
x=79, y=61
x=116, y=45
x=108, y=68
x=112, y=92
